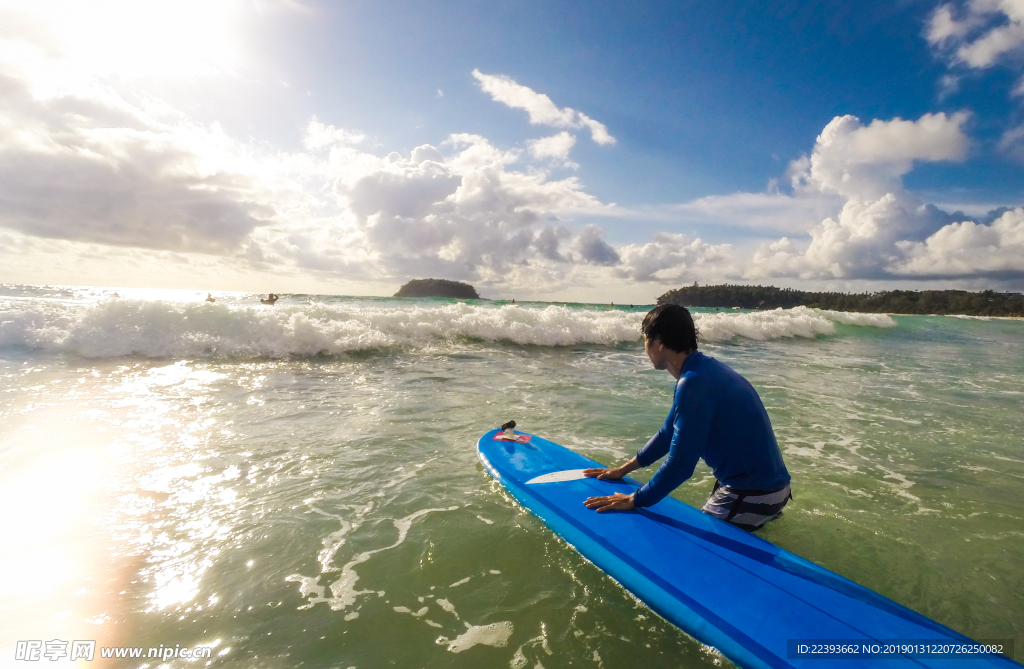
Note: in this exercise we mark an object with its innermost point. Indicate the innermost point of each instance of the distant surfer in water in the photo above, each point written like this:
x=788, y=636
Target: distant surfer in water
x=271, y=298
x=210, y=297
x=716, y=415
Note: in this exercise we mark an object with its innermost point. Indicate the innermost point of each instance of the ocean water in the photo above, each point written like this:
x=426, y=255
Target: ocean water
x=297, y=485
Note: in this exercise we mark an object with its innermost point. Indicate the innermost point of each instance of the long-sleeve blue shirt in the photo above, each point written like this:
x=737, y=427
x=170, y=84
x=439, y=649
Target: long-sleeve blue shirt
x=716, y=415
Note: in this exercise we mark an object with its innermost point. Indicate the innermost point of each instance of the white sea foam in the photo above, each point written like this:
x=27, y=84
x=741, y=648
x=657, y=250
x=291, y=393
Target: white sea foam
x=343, y=590
x=115, y=327
x=855, y=318
x=495, y=634
x=782, y=323
x=447, y=606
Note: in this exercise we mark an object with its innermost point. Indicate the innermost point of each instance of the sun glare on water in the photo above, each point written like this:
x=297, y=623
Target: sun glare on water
x=94, y=467
x=49, y=548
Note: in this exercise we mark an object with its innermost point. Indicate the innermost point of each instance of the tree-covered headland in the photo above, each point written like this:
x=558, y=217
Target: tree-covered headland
x=438, y=288
x=961, y=302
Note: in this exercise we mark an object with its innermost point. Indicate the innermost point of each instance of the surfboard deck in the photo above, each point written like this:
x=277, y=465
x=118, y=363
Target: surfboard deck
x=725, y=587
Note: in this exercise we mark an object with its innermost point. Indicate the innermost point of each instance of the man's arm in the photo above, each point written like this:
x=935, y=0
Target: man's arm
x=658, y=445
x=683, y=437
x=655, y=448
x=693, y=410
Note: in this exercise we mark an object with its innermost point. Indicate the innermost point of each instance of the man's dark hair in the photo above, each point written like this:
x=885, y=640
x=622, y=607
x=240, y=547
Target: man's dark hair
x=673, y=326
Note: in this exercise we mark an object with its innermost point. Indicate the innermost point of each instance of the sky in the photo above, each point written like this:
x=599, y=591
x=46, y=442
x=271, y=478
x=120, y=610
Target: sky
x=584, y=151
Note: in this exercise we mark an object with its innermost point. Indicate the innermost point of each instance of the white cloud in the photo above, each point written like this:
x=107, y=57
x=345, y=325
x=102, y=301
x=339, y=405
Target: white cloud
x=95, y=170
x=84, y=168
x=1012, y=143
x=943, y=26
x=986, y=50
x=547, y=242
x=84, y=164
x=858, y=243
x=673, y=258
x=592, y=248
x=854, y=160
x=320, y=136
x=28, y=259
x=598, y=132
x=775, y=212
x=556, y=147
x=879, y=231
x=949, y=84
x=466, y=215
x=967, y=248
x=864, y=165
x=541, y=109
x=987, y=31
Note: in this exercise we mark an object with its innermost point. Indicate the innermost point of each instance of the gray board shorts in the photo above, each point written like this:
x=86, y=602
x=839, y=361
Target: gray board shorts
x=747, y=509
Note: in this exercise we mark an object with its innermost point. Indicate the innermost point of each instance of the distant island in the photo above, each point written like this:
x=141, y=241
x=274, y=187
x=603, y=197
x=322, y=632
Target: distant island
x=959, y=302
x=438, y=288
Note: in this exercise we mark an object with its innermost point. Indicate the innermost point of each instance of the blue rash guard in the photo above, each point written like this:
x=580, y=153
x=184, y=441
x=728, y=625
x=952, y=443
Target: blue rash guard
x=716, y=415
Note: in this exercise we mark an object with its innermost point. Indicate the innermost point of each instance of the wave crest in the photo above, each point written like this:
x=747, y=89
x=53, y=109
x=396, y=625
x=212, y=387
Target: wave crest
x=782, y=323
x=117, y=327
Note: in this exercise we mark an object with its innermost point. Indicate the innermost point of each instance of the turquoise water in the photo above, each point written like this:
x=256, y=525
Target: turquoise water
x=297, y=485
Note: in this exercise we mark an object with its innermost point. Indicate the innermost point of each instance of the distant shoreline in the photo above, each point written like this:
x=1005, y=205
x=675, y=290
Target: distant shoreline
x=894, y=302
x=15, y=290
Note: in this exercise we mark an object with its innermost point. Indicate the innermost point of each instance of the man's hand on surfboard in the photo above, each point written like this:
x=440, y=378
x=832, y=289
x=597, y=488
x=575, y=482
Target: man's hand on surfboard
x=612, y=473
x=605, y=474
x=616, y=502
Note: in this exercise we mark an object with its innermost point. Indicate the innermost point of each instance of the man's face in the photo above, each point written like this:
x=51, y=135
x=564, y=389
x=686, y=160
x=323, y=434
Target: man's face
x=655, y=353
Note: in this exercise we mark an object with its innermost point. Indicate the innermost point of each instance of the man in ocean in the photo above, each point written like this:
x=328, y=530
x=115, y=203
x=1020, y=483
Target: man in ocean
x=716, y=415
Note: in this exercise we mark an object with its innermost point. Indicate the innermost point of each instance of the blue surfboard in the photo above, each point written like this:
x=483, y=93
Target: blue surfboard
x=729, y=589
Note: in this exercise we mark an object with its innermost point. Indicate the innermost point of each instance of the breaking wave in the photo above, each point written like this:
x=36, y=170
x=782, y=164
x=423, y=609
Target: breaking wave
x=117, y=327
x=781, y=323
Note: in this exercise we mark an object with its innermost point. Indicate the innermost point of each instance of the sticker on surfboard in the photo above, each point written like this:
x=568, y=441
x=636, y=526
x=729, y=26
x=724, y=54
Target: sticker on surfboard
x=558, y=477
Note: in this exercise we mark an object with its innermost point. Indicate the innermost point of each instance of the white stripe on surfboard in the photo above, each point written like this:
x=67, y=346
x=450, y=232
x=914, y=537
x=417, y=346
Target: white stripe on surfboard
x=557, y=477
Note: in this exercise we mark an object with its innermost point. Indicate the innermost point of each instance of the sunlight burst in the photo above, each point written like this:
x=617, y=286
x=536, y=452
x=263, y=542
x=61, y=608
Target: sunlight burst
x=135, y=39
